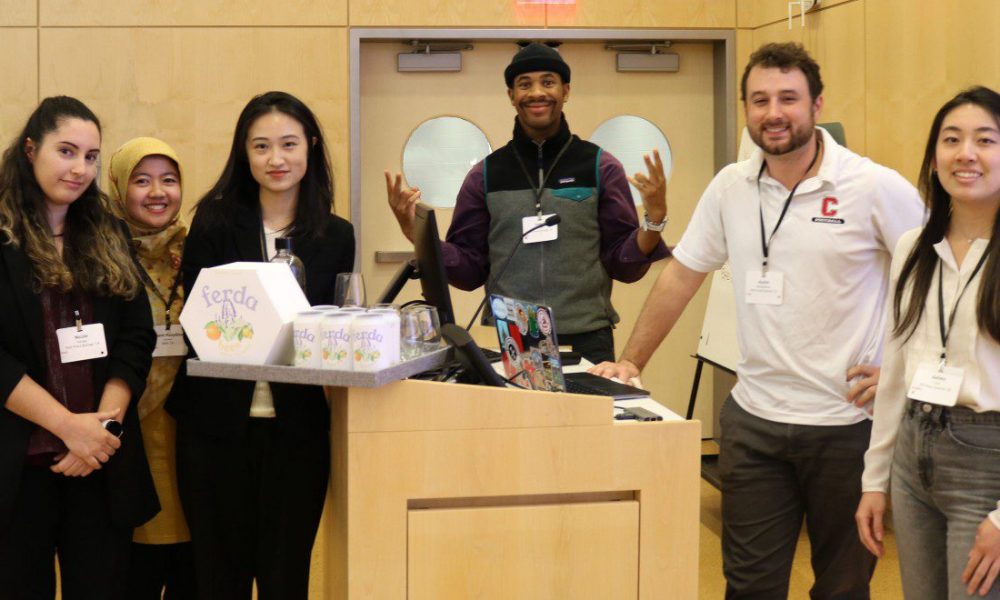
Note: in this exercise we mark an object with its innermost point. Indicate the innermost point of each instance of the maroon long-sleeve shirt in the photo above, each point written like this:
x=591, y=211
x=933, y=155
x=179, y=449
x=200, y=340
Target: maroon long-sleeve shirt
x=466, y=248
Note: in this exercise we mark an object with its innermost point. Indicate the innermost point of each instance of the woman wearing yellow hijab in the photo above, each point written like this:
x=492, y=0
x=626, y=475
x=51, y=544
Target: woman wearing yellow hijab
x=145, y=189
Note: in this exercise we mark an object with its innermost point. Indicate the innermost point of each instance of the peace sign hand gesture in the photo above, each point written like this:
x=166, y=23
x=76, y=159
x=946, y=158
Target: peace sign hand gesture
x=652, y=188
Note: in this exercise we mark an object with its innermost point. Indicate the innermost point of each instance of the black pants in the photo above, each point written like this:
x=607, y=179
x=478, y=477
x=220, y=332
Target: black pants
x=596, y=346
x=253, y=506
x=157, y=570
x=69, y=516
x=772, y=475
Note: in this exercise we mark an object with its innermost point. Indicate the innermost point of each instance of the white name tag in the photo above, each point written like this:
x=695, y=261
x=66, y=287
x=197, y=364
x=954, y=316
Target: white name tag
x=542, y=234
x=169, y=342
x=936, y=386
x=765, y=288
x=82, y=344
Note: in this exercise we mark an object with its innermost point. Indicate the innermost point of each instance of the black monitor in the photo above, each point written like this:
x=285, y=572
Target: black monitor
x=430, y=263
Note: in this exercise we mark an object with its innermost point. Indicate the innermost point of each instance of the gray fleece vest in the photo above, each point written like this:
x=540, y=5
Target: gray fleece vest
x=565, y=273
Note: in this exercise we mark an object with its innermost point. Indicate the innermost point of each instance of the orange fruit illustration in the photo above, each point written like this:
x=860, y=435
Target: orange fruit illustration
x=212, y=331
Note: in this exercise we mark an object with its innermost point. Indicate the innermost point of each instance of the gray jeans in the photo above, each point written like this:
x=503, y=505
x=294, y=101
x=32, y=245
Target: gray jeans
x=945, y=480
x=774, y=474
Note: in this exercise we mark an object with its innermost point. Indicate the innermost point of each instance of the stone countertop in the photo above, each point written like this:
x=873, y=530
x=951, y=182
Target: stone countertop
x=326, y=377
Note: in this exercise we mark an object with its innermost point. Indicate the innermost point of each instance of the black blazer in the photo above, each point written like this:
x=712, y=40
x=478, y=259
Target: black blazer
x=220, y=407
x=128, y=328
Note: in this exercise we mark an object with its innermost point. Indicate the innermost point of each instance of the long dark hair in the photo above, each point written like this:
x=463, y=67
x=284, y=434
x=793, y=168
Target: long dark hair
x=95, y=257
x=237, y=188
x=922, y=261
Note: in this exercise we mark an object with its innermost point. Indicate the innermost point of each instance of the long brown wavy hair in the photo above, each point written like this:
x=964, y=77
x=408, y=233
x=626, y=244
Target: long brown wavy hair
x=918, y=270
x=96, y=258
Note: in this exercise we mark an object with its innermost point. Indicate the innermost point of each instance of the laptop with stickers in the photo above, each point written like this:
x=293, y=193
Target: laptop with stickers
x=529, y=352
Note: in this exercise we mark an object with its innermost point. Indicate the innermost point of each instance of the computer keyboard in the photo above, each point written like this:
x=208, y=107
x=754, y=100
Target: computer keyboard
x=576, y=387
x=595, y=385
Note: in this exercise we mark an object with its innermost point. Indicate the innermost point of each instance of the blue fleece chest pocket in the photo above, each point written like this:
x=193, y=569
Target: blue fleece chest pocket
x=576, y=194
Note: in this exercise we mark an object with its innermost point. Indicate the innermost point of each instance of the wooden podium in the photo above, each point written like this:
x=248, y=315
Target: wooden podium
x=443, y=491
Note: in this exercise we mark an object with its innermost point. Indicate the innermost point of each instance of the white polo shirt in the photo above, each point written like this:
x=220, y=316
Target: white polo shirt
x=833, y=249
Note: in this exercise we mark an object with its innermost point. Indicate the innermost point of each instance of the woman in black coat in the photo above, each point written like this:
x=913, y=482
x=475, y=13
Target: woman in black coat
x=253, y=459
x=73, y=473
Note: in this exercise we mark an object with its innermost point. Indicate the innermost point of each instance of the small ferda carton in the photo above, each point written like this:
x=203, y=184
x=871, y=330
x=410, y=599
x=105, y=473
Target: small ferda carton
x=243, y=312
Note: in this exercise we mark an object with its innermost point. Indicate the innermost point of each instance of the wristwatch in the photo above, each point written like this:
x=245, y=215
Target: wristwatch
x=114, y=427
x=648, y=225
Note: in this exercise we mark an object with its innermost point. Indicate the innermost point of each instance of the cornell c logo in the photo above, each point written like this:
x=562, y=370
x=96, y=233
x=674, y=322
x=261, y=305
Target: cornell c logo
x=829, y=207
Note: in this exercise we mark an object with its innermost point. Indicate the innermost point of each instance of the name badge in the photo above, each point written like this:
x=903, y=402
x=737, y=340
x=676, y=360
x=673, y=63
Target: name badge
x=936, y=385
x=765, y=288
x=169, y=342
x=542, y=234
x=84, y=343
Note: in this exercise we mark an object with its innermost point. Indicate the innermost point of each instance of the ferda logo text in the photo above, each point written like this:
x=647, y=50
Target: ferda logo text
x=230, y=327
x=228, y=295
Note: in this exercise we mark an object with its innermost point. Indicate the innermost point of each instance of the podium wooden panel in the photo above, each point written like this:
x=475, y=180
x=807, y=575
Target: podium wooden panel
x=575, y=550
x=423, y=472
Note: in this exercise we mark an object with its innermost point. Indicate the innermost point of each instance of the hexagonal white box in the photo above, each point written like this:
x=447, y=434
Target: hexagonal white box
x=243, y=312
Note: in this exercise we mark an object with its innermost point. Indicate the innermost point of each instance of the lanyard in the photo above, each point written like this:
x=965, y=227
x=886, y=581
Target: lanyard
x=765, y=241
x=263, y=241
x=168, y=300
x=945, y=332
x=542, y=176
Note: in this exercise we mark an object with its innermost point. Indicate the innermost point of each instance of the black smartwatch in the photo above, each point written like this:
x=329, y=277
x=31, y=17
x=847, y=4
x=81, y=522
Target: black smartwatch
x=114, y=427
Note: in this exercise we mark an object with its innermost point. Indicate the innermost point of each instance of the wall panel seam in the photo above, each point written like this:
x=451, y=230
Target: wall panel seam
x=796, y=17
x=38, y=51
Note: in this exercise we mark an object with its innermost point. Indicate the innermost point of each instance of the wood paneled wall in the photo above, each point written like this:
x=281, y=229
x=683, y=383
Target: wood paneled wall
x=18, y=12
x=916, y=61
x=888, y=65
x=645, y=13
x=182, y=70
x=195, y=62
x=183, y=85
x=444, y=13
x=757, y=13
x=19, y=87
x=197, y=13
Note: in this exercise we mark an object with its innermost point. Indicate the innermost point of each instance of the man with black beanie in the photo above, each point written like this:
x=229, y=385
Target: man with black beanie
x=545, y=170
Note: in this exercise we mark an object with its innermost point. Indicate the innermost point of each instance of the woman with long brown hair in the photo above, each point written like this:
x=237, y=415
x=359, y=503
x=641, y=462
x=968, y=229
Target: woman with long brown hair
x=75, y=344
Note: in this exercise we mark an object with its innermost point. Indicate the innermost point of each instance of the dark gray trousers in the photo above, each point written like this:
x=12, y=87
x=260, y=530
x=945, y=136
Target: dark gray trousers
x=253, y=504
x=774, y=474
x=596, y=346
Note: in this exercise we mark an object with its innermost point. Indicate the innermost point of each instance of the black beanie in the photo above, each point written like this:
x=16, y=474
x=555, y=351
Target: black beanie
x=536, y=57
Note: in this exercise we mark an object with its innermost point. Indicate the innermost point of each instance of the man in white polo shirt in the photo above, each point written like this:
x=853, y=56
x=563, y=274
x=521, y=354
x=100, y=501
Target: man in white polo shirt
x=808, y=228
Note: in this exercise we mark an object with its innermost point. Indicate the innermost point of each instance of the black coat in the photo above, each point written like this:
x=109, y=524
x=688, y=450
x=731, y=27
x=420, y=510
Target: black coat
x=220, y=407
x=128, y=329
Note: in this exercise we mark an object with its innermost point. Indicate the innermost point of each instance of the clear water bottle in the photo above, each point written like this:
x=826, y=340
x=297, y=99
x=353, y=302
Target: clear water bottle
x=284, y=255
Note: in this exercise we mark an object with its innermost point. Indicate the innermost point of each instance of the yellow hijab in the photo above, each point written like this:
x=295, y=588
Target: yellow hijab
x=159, y=252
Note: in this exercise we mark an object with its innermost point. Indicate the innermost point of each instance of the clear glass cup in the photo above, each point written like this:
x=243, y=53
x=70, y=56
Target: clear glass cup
x=349, y=290
x=410, y=339
x=420, y=330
